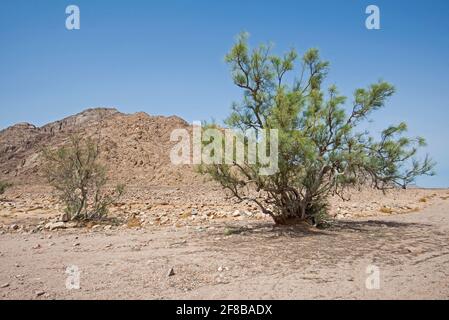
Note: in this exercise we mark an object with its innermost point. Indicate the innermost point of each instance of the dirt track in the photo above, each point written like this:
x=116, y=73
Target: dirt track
x=258, y=262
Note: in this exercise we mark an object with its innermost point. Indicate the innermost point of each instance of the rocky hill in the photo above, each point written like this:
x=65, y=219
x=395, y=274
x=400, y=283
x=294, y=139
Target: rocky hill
x=136, y=147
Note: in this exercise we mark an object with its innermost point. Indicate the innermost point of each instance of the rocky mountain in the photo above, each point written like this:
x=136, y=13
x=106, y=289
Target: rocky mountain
x=136, y=147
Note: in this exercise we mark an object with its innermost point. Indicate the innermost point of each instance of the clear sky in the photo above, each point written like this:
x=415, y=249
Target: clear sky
x=166, y=57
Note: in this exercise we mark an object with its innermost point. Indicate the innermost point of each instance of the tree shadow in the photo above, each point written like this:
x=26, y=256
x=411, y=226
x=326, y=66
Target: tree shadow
x=269, y=230
x=370, y=225
x=333, y=228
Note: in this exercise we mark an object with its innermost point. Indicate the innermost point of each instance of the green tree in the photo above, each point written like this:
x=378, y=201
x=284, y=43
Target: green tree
x=322, y=150
x=75, y=172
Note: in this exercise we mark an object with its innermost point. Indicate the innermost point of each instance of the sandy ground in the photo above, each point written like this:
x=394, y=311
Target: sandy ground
x=247, y=259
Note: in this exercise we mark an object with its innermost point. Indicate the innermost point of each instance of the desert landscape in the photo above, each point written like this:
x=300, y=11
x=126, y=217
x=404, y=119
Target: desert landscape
x=175, y=234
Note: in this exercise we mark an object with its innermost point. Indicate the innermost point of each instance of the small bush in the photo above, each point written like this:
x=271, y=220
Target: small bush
x=74, y=170
x=3, y=186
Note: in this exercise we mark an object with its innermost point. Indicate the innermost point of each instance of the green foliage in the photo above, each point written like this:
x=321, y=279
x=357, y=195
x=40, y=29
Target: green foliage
x=322, y=151
x=3, y=186
x=75, y=172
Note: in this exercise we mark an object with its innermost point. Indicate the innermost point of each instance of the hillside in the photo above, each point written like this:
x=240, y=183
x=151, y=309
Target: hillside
x=135, y=146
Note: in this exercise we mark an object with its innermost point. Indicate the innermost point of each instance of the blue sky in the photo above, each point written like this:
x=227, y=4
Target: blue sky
x=166, y=57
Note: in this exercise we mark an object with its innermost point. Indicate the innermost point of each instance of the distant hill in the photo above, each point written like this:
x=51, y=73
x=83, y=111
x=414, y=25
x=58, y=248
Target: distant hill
x=136, y=147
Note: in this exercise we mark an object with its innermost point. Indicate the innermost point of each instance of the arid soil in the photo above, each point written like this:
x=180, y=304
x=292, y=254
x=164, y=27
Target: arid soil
x=236, y=259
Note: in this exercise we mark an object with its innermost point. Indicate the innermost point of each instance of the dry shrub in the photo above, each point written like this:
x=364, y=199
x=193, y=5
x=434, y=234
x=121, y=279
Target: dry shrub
x=75, y=172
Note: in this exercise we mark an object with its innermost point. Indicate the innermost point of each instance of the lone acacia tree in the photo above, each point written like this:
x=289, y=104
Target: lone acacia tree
x=321, y=149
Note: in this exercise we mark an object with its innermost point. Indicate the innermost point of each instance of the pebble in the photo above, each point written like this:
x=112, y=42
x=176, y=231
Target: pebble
x=55, y=225
x=40, y=293
x=171, y=272
x=64, y=217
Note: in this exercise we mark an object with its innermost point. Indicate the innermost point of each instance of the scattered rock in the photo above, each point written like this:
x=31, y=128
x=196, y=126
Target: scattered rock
x=5, y=285
x=178, y=243
x=71, y=224
x=37, y=246
x=171, y=272
x=55, y=225
x=164, y=220
x=14, y=227
x=40, y=293
x=412, y=250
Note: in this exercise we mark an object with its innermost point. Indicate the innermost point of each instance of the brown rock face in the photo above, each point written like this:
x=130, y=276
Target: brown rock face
x=136, y=147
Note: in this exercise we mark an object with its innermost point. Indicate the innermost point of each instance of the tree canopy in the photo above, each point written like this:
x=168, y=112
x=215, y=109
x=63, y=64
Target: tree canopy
x=322, y=150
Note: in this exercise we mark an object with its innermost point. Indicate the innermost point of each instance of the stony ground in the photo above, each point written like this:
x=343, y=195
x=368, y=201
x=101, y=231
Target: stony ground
x=235, y=258
x=29, y=208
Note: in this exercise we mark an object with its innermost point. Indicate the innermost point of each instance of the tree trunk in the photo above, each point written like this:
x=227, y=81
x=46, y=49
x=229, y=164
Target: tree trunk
x=292, y=213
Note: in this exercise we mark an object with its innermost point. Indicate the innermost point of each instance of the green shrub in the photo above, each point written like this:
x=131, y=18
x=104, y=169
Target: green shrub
x=75, y=172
